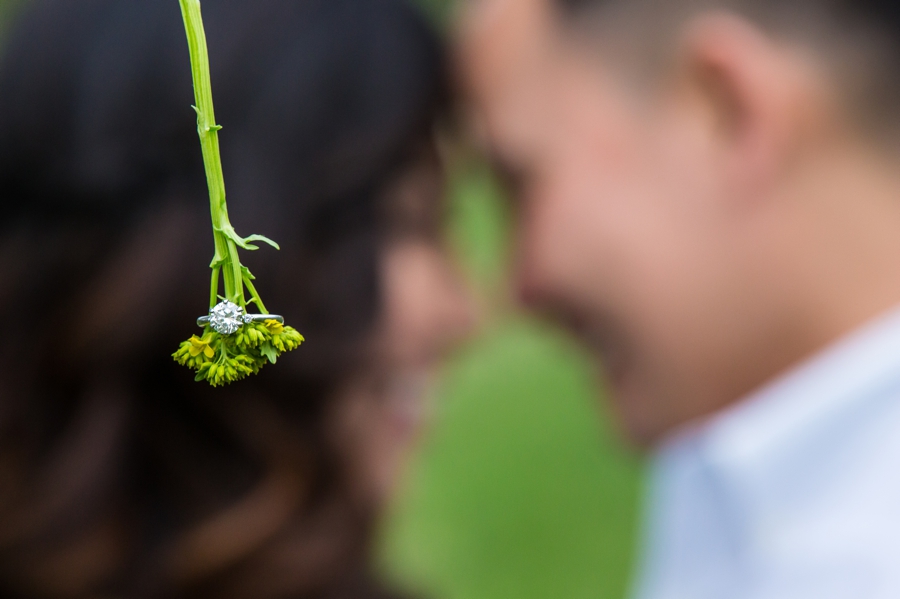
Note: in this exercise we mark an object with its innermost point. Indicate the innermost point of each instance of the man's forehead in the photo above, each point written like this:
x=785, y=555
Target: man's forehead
x=505, y=41
x=507, y=52
x=515, y=25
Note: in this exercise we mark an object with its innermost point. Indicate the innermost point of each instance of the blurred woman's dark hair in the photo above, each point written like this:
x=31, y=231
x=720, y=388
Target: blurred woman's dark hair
x=119, y=475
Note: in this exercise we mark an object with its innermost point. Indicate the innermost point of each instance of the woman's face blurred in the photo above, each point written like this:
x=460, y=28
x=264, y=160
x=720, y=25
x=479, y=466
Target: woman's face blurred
x=426, y=310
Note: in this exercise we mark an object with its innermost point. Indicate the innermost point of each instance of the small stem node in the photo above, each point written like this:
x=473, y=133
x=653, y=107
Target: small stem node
x=207, y=130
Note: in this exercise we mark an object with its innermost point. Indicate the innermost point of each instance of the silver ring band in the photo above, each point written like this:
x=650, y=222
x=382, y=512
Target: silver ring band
x=247, y=318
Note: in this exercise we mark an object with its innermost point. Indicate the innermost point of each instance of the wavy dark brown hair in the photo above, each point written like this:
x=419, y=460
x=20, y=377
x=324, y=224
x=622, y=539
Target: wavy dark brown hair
x=119, y=475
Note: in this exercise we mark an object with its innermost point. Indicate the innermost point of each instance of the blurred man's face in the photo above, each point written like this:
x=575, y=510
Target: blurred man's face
x=623, y=233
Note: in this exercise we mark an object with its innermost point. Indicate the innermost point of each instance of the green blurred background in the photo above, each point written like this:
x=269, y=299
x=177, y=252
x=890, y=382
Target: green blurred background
x=521, y=489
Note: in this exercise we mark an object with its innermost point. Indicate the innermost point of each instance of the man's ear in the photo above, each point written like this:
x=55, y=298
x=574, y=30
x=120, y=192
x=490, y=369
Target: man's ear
x=761, y=96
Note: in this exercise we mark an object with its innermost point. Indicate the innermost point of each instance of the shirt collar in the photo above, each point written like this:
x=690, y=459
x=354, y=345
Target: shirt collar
x=768, y=434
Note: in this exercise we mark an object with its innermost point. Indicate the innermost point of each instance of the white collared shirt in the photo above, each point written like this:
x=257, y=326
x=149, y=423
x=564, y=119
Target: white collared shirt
x=793, y=493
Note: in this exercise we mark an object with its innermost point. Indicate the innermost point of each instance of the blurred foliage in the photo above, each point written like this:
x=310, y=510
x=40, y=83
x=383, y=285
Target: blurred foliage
x=478, y=225
x=7, y=10
x=521, y=490
x=440, y=10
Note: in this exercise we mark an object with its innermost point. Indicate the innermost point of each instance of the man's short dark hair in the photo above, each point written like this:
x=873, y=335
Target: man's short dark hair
x=860, y=37
x=883, y=12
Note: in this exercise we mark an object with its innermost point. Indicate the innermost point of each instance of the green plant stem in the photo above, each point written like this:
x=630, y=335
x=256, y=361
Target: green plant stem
x=226, y=256
x=214, y=287
x=255, y=296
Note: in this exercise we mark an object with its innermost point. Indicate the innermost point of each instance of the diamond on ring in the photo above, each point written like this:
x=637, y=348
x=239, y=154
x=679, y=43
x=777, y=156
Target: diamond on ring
x=226, y=318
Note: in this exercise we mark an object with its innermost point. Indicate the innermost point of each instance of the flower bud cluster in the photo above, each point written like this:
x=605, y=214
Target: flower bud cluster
x=223, y=359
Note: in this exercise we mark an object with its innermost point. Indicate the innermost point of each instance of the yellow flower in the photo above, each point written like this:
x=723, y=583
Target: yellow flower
x=202, y=346
x=224, y=360
x=274, y=327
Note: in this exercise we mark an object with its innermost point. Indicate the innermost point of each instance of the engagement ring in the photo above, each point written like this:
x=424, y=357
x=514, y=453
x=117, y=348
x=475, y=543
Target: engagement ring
x=226, y=318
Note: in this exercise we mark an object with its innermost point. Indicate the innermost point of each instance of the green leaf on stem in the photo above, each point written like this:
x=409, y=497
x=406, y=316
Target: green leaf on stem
x=269, y=352
x=263, y=239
